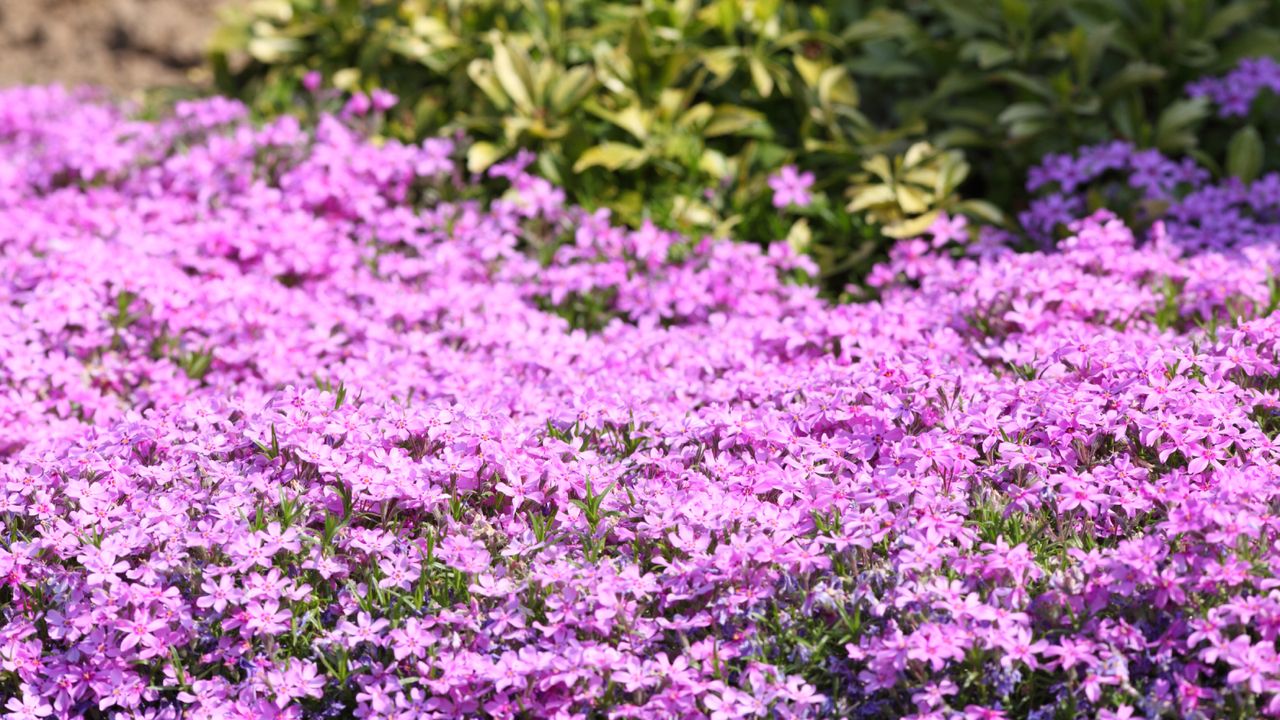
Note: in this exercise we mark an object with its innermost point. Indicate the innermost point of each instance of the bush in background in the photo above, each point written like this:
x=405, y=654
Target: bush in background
x=640, y=107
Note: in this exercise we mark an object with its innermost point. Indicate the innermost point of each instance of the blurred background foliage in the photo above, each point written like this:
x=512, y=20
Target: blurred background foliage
x=677, y=111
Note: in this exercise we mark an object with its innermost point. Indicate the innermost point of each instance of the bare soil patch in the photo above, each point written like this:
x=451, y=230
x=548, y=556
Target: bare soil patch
x=123, y=45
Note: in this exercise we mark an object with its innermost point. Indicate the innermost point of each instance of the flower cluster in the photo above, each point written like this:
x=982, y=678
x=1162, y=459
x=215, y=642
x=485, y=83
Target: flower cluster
x=1235, y=91
x=291, y=428
x=1199, y=213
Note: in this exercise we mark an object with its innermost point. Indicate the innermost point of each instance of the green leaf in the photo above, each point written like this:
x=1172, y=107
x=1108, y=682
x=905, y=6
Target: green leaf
x=1175, y=128
x=1132, y=75
x=953, y=173
x=982, y=210
x=880, y=25
x=987, y=53
x=1245, y=154
x=1023, y=111
x=1229, y=17
x=1035, y=85
x=612, y=156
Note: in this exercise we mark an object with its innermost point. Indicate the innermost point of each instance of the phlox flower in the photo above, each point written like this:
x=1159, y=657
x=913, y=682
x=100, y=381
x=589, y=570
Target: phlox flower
x=791, y=187
x=265, y=617
x=948, y=229
x=298, y=680
x=218, y=593
x=28, y=707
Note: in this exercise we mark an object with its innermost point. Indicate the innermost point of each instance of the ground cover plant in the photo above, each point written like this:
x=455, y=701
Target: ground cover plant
x=296, y=424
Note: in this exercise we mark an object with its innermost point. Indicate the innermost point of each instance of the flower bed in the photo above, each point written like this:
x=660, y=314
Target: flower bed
x=292, y=428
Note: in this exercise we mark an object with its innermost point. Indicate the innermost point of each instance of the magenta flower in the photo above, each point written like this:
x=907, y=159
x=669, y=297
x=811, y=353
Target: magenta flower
x=382, y=100
x=218, y=594
x=948, y=229
x=266, y=617
x=29, y=707
x=357, y=105
x=1253, y=665
x=300, y=679
x=791, y=187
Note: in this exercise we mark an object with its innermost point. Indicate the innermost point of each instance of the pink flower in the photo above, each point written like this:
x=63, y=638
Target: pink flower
x=357, y=105
x=947, y=229
x=265, y=617
x=30, y=707
x=300, y=679
x=791, y=187
x=1253, y=665
x=218, y=593
x=141, y=631
x=383, y=100
x=936, y=645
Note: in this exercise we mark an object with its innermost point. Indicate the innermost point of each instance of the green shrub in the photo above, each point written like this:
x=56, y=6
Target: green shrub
x=679, y=110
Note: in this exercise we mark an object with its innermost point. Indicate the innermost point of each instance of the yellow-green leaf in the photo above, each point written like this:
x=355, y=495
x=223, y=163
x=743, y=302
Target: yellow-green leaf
x=760, y=76
x=808, y=70
x=689, y=211
x=730, y=120
x=720, y=61
x=483, y=154
x=913, y=227
x=347, y=79
x=631, y=118
x=879, y=166
x=572, y=88
x=515, y=76
x=911, y=200
x=917, y=154
x=610, y=155
x=835, y=87
x=273, y=49
x=799, y=237
x=870, y=196
x=481, y=72
x=713, y=163
x=695, y=116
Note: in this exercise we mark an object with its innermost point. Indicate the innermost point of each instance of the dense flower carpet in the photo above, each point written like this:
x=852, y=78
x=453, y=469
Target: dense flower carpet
x=291, y=427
